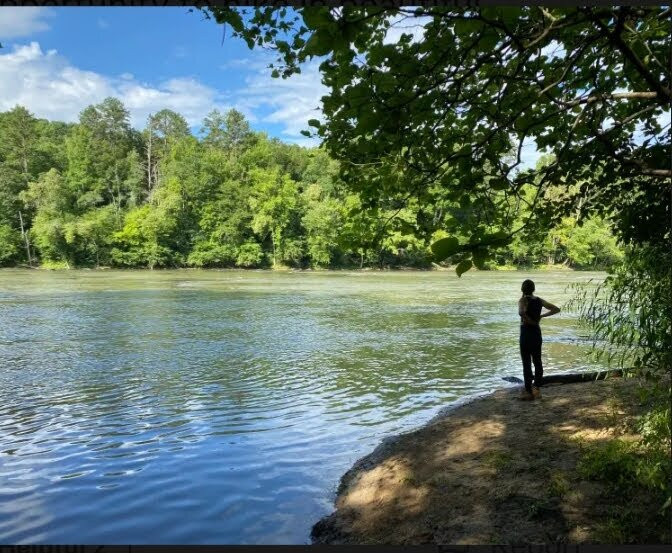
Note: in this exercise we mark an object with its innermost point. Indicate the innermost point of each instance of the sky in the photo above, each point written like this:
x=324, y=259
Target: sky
x=57, y=61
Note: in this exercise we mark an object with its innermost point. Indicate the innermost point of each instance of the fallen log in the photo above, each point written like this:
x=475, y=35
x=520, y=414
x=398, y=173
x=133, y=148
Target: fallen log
x=572, y=377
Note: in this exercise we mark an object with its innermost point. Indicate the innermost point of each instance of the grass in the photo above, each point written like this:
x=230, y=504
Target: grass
x=54, y=265
x=558, y=484
x=498, y=459
x=440, y=480
x=636, y=482
x=410, y=480
x=538, y=507
x=503, y=491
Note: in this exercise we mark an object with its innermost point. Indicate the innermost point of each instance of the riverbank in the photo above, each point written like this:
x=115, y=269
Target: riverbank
x=496, y=470
x=282, y=269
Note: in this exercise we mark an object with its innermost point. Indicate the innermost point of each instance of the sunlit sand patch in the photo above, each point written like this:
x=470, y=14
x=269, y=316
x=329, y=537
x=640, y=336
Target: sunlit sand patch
x=482, y=473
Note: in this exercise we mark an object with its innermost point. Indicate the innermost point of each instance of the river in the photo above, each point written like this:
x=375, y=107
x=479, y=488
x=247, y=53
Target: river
x=223, y=406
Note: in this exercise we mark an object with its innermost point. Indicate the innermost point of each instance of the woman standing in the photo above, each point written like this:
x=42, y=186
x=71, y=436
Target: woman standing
x=529, y=309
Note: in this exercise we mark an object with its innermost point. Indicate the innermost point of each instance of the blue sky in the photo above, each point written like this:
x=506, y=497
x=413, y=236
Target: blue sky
x=56, y=61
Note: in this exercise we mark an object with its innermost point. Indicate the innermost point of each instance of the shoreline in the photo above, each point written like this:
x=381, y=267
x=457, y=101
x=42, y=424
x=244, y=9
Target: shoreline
x=514, y=461
x=435, y=268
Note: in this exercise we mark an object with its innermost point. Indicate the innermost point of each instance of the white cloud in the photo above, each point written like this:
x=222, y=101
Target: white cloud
x=292, y=102
x=22, y=21
x=49, y=86
x=191, y=99
x=237, y=63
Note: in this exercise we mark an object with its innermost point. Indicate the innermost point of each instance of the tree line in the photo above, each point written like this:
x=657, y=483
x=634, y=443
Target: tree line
x=100, y=193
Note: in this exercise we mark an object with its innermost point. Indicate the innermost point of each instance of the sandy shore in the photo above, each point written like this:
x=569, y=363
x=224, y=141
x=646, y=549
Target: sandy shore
x=496, y=470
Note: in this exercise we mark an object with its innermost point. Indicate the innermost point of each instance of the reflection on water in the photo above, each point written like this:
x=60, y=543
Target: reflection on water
x=223, y=406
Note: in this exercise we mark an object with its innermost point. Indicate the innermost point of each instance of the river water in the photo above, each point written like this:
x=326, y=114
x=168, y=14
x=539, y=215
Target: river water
x=223, y=406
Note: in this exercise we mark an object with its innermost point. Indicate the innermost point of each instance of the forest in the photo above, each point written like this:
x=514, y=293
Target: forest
x=100, y=193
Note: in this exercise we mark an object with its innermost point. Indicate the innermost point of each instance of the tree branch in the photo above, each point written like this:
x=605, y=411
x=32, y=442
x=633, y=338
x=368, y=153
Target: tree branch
x=664, y=94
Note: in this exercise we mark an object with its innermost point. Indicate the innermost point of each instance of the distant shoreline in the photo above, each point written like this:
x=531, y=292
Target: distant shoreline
x=436, y=268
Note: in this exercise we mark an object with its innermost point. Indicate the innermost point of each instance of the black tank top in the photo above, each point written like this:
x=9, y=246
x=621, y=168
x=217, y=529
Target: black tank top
x=534, y=308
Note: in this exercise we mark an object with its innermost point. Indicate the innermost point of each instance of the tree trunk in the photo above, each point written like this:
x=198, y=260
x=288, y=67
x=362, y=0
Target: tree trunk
x=273, y=245
x=24, y=235
x=573, y=377
x=551, y=255
x=149, y=158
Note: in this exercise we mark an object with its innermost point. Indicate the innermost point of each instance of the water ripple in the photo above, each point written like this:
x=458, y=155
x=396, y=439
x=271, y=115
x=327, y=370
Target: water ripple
x=241, y=397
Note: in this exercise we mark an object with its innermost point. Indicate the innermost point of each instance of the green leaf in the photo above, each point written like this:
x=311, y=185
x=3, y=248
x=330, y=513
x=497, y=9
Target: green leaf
x=316, y=17
x=499, y=238
x=465, y=27
x=406, y=228
x=463, y=266
x=319, y=44
x=480, y=255
x=367, y=122
x=233, y=18
x=498, y=184
x=306, y=133
x=445, y=248
x=314, y=123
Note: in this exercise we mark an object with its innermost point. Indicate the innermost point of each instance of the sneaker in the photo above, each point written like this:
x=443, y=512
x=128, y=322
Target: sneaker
x=536, y=392
x=526, y=396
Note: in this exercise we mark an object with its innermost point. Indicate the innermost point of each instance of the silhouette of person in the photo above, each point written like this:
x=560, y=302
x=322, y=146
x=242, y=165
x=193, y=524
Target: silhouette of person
x=529, y=309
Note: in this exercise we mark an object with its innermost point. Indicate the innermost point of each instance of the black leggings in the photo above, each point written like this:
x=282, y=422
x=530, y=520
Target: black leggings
x=530, y=351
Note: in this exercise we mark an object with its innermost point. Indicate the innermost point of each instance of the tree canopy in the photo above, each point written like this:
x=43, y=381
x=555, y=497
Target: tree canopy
x=435, y=102
x=101, y=193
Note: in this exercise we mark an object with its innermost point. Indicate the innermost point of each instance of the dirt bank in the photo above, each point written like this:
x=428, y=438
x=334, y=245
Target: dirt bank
x=497, y=470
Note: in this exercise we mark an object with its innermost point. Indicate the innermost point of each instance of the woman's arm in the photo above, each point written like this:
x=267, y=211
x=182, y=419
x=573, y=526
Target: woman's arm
x=552, y=309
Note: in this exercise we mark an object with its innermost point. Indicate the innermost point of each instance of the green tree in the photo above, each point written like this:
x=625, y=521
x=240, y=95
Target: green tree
x=250, y=254
x=93, y=232
x=449, y=104
x=10, y=245
x=163, y=128
x=18, y=141
x=274, y=201
x=322, y=220
x=229, y=131
x=222, y=210
x=99, y=163
x=11, y=185
x=359, y=237
x=52, y=229
x=146, y=237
